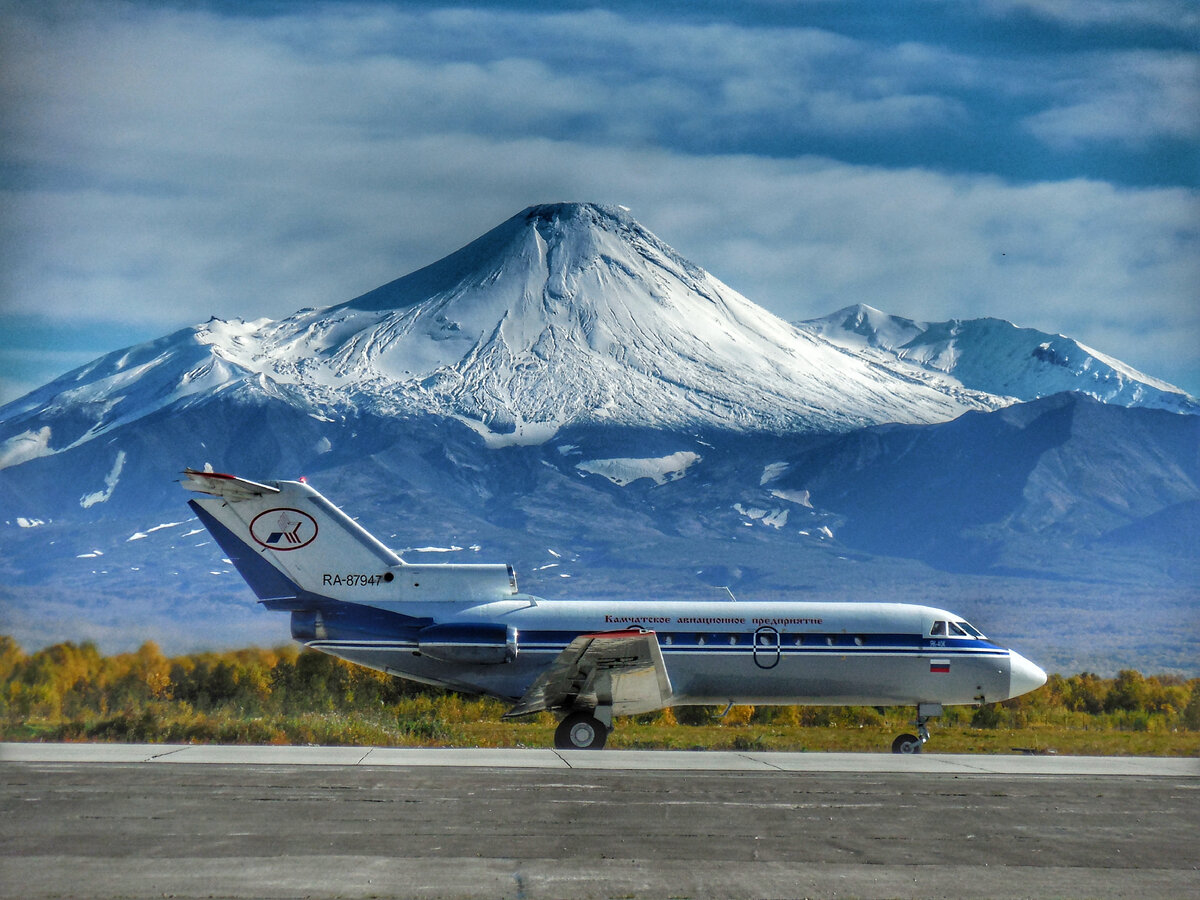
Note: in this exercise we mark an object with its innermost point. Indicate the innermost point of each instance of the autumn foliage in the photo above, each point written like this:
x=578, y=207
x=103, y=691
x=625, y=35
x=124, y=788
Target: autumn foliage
x=286, y=695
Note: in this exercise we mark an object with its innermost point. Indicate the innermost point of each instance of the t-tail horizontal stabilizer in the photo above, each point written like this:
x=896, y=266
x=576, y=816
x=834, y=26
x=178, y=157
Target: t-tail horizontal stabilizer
x=230, y=487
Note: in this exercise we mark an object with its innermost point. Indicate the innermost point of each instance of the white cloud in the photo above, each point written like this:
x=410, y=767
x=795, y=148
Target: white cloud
x=799, y=236
x=191, y=161
x=1177, y=15
x=1128, y=97
x=187, y=165
x=191, y=88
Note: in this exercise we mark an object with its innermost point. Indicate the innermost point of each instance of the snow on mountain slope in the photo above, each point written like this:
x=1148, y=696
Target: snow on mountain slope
x=120, y=388
x=995, y=356
x=568, y=313
x=574, y=313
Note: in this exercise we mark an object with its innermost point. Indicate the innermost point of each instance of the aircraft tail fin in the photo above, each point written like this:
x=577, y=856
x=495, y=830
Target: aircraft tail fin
x=284, y=536
x=268, y=582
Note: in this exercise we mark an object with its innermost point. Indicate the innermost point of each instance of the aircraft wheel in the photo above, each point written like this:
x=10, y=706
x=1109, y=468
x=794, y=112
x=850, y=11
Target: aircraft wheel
x=581, y=731
x=906, y=743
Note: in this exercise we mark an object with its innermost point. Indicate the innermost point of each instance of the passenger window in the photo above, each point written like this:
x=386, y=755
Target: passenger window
x=956, y=630
x=733, y=639
x=699, y=640
x=938, y=629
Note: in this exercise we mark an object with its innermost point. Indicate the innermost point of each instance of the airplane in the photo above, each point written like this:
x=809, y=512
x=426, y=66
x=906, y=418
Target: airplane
x=467, y=627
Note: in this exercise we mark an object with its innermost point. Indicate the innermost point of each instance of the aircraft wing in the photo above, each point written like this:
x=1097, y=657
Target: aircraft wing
x=621, y=669
x=229, y=487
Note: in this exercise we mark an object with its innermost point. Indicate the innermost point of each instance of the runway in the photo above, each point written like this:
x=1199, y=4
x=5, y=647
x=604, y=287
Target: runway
x=615, y=760
x=202, y=821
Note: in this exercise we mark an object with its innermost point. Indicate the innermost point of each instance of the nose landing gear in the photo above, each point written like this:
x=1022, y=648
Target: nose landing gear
x=911, y=743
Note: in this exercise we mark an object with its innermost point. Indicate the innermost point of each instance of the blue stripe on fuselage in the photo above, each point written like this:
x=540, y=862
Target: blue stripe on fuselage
x=341, y=621
x=350, y=622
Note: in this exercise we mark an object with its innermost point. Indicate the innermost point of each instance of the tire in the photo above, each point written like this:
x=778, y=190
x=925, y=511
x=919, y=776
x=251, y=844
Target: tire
x=580, y=731
x=906, y=743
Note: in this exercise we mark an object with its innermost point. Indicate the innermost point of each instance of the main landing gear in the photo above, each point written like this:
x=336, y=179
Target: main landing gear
x=583, y=730
x=911, y=743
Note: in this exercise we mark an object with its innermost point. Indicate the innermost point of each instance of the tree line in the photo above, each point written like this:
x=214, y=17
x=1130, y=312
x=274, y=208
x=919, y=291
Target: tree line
x=72, y=691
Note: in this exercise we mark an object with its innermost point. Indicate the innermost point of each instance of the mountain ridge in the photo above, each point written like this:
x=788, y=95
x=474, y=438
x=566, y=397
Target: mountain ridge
x=997, y=357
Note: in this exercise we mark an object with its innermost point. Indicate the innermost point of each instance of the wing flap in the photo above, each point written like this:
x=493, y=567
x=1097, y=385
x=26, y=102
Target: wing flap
x=621, y=669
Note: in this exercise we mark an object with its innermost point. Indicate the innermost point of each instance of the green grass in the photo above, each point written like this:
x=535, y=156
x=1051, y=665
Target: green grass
x=476, y=723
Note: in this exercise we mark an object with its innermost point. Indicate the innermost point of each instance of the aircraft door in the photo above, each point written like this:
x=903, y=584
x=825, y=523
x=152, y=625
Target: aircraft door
x=766, y=647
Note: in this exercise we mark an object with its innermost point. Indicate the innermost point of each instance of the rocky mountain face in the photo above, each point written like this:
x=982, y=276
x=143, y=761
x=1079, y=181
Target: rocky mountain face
x=568, y=394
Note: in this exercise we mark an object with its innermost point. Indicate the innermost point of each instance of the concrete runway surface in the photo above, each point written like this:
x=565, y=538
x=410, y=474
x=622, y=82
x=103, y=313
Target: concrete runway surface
x=153, y=821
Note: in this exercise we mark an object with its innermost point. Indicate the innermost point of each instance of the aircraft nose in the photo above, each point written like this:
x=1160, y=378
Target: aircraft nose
x=1023, y=676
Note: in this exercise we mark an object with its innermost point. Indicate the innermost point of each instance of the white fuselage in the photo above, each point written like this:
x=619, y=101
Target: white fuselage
x=718, y=652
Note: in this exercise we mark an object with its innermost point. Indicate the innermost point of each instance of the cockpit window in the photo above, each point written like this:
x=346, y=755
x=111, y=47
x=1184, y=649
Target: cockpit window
x=971, y=629
x=938, y=629
x=957, y=630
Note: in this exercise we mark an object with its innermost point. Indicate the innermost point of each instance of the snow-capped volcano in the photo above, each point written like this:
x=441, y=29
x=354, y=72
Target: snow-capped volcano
x=995, y=356
x=574, y=313
x=564, y=314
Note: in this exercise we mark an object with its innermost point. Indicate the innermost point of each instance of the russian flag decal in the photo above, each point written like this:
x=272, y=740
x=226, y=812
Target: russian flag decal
x=941, y=666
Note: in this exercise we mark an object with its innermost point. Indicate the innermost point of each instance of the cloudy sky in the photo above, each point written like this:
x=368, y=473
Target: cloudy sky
x=1034, y=160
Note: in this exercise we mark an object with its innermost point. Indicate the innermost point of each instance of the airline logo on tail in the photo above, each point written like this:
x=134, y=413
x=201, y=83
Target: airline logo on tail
x=283, y=528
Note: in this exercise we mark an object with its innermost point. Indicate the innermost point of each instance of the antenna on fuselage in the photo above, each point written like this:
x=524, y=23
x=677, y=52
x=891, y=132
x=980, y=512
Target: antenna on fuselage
x=730, y=593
